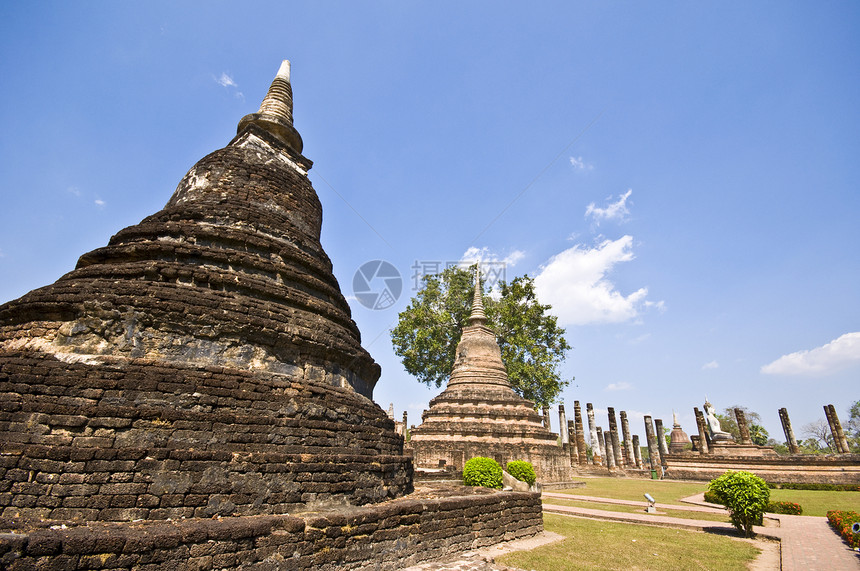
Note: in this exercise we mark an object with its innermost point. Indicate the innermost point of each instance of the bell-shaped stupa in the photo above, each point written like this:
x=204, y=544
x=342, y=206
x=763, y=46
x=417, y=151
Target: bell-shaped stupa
x=479, y=414
x=204, y=362
x=679, y=441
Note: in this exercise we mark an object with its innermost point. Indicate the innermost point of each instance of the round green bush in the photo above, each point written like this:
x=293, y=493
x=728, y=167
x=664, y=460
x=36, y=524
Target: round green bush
x=480, y=471
x=745, y=495
x=522, y=471
x=712, y=498
x=789, y=508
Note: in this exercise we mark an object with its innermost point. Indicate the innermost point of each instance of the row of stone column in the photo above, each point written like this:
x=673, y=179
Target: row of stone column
x=839, y=439
x=609, y=448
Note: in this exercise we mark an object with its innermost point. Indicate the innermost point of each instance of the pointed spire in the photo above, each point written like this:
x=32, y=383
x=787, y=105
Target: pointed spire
x=478, y=316
x=276, y=111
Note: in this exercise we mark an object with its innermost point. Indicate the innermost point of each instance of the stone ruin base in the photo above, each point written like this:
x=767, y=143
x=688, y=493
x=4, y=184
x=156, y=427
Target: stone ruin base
x=432, y=523
x=841, y=469
x=748, y=450
x=604, y=472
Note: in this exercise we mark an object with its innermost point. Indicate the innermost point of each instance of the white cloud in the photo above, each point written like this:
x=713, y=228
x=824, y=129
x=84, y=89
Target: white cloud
x=579, y=164
x=640, y=339
x=74, y=190
x=99, y=202
x=575, y=283
x=614, y=211
x=484, y=254
x=618, y=387
x=494, y=268
x=839, y=354
x=225, y=81
x=711, y=365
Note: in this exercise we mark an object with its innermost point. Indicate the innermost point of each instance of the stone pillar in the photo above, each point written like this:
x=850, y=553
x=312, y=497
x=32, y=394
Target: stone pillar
x=580, y=435
x=789, y=433
x=610, y=451
x=840, y=434
x=628, y=443
x=637, y=452
x=596, y=456
x=574, y=446
x=653, y=450
x=562, y=426
x=601, y=447
x=613, y=433
x=837, y=444
x=742, y=427
x=661, y=438
x=546, y=422
x=703, y=432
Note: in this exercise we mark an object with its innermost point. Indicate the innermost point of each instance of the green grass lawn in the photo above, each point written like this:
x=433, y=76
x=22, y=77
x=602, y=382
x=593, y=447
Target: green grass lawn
x=664, y=491
x=637, y=509
x=813, y=502
x=818, y=502
x=591, y=544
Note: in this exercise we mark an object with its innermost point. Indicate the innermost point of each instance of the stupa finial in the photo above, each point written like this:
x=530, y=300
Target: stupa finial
x=478, y=317
x=276, y=111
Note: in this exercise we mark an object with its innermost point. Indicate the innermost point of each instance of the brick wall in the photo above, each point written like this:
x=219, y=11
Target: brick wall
x=392, y=535
x=130, y=440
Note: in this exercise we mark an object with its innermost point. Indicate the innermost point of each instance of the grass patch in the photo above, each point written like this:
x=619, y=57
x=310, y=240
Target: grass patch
x=664, y=491
x=638, y=509
x=818, y=502
x=591, y=544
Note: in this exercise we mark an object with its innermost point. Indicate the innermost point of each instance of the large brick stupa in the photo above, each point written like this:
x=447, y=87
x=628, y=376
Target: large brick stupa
x=203, y=363
x=479, y=414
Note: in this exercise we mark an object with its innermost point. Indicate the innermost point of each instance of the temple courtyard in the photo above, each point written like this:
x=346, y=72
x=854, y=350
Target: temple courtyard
x=685, y=533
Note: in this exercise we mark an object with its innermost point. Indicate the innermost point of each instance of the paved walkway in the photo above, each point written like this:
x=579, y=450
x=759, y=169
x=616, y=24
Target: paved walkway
x=806, y=543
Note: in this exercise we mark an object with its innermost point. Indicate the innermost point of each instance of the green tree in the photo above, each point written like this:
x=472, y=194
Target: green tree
x=728, y=422
x=818, y=439
x=532, y=343
x=853, y=427
x=745, y=495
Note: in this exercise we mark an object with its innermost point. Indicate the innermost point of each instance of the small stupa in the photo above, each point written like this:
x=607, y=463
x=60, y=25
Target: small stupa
x=678, y=439
x=479, y=414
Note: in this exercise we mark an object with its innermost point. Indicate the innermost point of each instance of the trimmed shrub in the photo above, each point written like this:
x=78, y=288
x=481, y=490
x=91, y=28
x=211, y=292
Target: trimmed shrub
x=522, y=471
x=480, y=471
x=713, y=498
x=841, y=523
x=789, y=508
x=745, y=495
x=822, y=487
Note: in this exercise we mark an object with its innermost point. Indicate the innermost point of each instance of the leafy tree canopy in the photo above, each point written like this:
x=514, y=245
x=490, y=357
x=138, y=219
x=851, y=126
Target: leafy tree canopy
x=853, y=427
x=531, y=342
x=729, y=423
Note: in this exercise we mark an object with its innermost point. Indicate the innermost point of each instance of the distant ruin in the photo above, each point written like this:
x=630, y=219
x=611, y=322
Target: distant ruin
x=479, y=414
x=710, y=457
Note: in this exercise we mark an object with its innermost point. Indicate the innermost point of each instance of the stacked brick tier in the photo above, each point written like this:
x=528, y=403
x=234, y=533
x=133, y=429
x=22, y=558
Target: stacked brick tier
x=391, y=536
x=479, y=414
x=843, y=469
x=230, y=272
x=146, y=440
x=203, y=363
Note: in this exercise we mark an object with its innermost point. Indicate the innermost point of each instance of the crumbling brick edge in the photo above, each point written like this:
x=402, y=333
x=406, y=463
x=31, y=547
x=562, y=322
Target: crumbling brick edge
x=391, y=535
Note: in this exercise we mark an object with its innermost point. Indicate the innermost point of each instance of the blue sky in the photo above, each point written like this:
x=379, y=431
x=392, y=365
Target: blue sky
x=682, y=180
